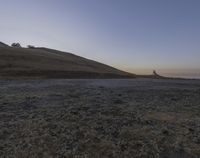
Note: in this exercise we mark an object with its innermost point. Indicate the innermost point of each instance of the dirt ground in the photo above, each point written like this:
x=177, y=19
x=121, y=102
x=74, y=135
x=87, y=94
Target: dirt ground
x=147, y=118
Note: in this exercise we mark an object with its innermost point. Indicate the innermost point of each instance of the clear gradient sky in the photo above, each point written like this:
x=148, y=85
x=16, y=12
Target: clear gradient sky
x=133, y=35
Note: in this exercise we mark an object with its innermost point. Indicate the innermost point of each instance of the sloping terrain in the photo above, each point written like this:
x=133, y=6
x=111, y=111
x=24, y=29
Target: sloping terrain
x=48, y=63
x=3, y=44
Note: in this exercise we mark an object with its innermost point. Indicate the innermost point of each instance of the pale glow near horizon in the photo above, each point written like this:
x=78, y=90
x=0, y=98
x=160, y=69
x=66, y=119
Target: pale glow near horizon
x=129, y=35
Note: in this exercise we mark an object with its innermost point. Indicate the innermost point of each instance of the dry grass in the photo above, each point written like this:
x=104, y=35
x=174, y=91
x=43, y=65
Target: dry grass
x=99, y=118
x=42, y=62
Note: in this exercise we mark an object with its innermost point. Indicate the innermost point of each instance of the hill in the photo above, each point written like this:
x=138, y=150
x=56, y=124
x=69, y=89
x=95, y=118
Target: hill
x=49, y=63
x=3, y=44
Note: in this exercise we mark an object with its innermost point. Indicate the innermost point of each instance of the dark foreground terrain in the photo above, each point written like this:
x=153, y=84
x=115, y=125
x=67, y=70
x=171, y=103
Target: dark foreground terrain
x=144, y=118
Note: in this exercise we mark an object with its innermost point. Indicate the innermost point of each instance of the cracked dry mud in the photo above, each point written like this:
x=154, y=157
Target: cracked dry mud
x=144, y=118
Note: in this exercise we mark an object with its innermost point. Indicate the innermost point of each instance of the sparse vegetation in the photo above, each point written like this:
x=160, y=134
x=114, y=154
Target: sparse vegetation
x=30, y=46
x=16, y=45
x=89, y=119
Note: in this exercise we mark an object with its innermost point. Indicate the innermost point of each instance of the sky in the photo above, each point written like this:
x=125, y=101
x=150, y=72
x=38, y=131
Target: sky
x=133, y=35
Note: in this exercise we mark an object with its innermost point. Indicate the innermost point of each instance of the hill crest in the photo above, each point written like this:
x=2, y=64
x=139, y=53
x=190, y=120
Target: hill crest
x=49, y=63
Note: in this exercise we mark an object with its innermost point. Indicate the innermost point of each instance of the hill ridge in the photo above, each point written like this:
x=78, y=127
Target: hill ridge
x=48, y=63
x=3, y=44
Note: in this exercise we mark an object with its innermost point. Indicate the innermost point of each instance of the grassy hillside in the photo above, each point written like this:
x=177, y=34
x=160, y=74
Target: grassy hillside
x=3, y=44
x=48, y=63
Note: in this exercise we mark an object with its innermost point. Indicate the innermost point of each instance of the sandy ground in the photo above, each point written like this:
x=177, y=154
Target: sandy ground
x=144, y=118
